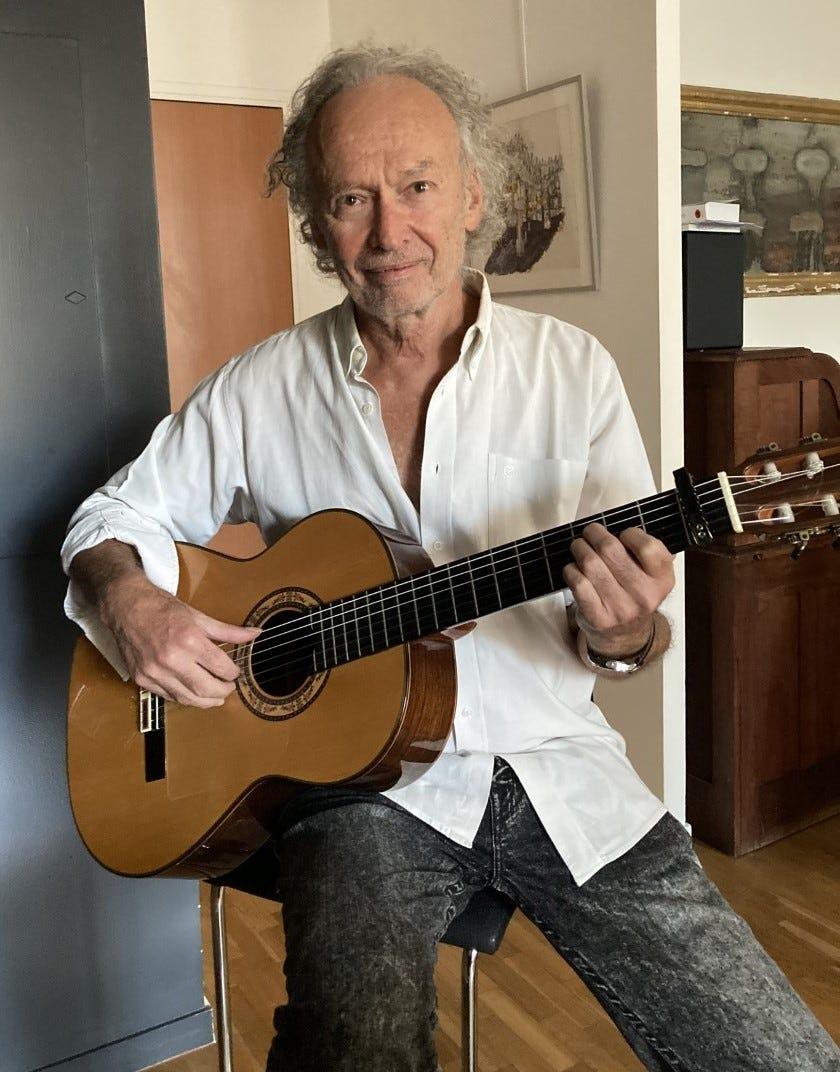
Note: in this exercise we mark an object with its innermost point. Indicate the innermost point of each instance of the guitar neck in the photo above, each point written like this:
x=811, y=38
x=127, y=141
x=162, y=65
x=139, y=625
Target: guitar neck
x=489, y=581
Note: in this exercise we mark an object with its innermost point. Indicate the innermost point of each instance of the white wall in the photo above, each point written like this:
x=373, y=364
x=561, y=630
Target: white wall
x=629, y=57
x=242, y=52
x=771, y=47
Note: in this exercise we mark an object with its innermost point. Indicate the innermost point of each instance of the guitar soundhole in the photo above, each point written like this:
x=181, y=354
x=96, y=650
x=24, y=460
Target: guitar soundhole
x=281, y=658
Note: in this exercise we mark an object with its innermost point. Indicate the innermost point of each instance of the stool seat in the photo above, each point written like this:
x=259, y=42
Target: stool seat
x=482, y=924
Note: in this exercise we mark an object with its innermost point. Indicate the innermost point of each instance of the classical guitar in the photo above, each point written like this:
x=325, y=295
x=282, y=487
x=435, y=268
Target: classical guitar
x=351, y=680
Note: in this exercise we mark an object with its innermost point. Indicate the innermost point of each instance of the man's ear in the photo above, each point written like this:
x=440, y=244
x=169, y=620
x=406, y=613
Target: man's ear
x=475, y=202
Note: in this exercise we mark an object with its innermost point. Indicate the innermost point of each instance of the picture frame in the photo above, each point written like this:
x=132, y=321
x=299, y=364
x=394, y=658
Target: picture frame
x=779, y=157
x=549, y=242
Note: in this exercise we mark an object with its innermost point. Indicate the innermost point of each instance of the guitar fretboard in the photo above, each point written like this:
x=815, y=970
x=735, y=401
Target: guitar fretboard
x=471, y=587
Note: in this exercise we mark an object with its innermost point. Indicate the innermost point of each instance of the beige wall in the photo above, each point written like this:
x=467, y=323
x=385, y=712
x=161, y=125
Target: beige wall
x=628, y=54
x=771, y=47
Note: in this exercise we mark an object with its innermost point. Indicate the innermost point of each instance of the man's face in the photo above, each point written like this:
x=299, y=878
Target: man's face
x=394, y=202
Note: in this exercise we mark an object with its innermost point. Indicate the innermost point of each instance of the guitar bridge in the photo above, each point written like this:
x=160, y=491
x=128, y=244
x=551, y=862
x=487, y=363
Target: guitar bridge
x=152, y=711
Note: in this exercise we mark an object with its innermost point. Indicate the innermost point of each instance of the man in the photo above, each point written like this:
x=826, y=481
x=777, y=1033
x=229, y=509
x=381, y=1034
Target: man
x=428, y=408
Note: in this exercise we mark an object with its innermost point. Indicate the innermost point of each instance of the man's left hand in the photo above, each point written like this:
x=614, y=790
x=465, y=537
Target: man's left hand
x=618, y=582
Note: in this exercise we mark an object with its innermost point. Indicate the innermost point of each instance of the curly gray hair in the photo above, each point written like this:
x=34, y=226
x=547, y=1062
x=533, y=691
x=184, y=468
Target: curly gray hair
x=481, y=148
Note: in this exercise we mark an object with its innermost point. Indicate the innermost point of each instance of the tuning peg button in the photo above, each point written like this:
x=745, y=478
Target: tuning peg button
x=829, y=506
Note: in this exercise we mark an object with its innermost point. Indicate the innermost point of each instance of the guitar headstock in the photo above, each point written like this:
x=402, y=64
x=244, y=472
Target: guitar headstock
x=789, y=494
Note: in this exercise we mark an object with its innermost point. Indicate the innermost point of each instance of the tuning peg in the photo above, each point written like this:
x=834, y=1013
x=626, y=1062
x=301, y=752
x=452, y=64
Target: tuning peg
x=768, y=448
x=814, y=437
x=796, y=553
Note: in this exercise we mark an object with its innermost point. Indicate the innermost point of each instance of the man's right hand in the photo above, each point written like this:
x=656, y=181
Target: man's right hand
x=168, y=646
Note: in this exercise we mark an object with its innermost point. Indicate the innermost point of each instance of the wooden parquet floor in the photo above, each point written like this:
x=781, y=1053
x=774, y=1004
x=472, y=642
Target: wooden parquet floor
x=534, y=1014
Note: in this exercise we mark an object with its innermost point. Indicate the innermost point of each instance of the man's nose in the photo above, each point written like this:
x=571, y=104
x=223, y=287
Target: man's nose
x=389, y=224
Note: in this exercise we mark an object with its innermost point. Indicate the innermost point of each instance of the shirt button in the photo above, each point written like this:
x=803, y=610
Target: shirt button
x=437, y=546
x=367, y=409
x=508, y=470
x=466, y=712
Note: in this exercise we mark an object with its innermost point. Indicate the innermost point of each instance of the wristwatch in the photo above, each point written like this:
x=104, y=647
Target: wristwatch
x=626, y=664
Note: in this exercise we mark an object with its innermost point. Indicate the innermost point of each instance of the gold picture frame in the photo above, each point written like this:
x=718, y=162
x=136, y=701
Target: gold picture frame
x=813, y=210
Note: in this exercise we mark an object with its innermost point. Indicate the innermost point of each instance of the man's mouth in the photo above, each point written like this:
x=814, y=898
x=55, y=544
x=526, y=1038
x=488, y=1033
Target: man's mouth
x=392, y=271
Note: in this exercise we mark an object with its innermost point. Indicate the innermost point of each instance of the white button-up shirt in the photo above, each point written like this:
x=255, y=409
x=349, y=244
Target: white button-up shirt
x=531, y=427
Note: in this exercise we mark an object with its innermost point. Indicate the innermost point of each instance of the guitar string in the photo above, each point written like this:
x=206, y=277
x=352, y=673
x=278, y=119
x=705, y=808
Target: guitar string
x=526, y=543
x=381, y=622
x=348, y=605
x=675, y=529
x=314, y=623
x=620, y=514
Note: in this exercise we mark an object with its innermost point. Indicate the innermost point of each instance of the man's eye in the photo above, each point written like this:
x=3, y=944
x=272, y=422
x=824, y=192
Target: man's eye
x=421, y=186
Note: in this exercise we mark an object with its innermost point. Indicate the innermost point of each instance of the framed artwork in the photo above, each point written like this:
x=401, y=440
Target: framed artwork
x=779, y=157
x=549, y=241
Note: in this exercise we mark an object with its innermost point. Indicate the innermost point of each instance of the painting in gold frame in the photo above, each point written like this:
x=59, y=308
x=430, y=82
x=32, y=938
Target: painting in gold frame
x=779, y=157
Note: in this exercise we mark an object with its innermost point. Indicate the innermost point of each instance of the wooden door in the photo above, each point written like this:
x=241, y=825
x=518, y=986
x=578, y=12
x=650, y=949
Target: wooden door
x=225, y=256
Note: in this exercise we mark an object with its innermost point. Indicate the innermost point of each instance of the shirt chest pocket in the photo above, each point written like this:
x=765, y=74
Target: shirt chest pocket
x=527, y=495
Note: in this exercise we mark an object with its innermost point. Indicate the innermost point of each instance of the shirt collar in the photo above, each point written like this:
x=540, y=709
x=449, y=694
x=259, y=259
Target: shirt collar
x=352, y=350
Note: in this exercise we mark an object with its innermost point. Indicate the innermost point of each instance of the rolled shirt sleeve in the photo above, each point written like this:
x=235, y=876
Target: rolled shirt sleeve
x=187, y=482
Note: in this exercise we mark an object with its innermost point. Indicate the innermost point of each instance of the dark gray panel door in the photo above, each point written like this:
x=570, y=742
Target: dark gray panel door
x=52, y=403
x=97, y=972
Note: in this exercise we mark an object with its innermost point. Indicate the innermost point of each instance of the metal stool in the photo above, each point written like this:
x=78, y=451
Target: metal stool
x=478, y=929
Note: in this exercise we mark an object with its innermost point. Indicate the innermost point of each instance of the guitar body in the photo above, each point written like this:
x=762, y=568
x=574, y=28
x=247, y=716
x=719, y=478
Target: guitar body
x=198, y=796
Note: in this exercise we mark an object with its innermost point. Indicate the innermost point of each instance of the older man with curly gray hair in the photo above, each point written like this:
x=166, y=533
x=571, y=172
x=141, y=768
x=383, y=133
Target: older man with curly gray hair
x=462, y=423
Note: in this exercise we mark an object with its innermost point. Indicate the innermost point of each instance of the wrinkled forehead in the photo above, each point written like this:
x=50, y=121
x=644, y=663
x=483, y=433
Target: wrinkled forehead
x=391, y=123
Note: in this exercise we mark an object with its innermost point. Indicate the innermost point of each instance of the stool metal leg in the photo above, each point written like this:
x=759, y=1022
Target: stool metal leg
x=468, y=1048
x=220, y=975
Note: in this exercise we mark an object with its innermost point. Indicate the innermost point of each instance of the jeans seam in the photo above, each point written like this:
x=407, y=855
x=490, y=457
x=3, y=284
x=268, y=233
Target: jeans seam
x=494, y=845
x=581, y=964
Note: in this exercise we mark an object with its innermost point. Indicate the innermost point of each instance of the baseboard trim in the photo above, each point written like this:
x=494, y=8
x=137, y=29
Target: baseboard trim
x=143, y=1049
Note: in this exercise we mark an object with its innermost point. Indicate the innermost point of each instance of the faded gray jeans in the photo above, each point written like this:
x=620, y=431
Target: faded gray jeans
x=368, y=890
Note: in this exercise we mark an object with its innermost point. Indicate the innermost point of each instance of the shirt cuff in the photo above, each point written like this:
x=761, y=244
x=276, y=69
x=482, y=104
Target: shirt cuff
x=158, y=557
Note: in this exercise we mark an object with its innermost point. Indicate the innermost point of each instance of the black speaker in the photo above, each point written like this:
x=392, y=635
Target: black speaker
x=713, y=290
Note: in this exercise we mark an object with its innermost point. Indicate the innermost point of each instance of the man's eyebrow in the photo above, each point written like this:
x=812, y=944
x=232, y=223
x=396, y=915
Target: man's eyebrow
x=424, y=165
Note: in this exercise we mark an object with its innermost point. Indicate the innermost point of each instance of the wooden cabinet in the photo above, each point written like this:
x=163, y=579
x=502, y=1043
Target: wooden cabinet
x=762, y=629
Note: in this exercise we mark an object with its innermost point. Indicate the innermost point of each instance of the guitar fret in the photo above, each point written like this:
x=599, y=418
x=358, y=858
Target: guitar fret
x=641, y=516
x=332, y=633
x=519, y=568
x=416, y=610
x=496, y=579
x=358, y=636
x=433, y=601
x=382, y=612
x=399, y=617
x=370, y=623
x=323, y=639
x=472, y=586
x=547, y=563
x=452, y=593
x=344, y=631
